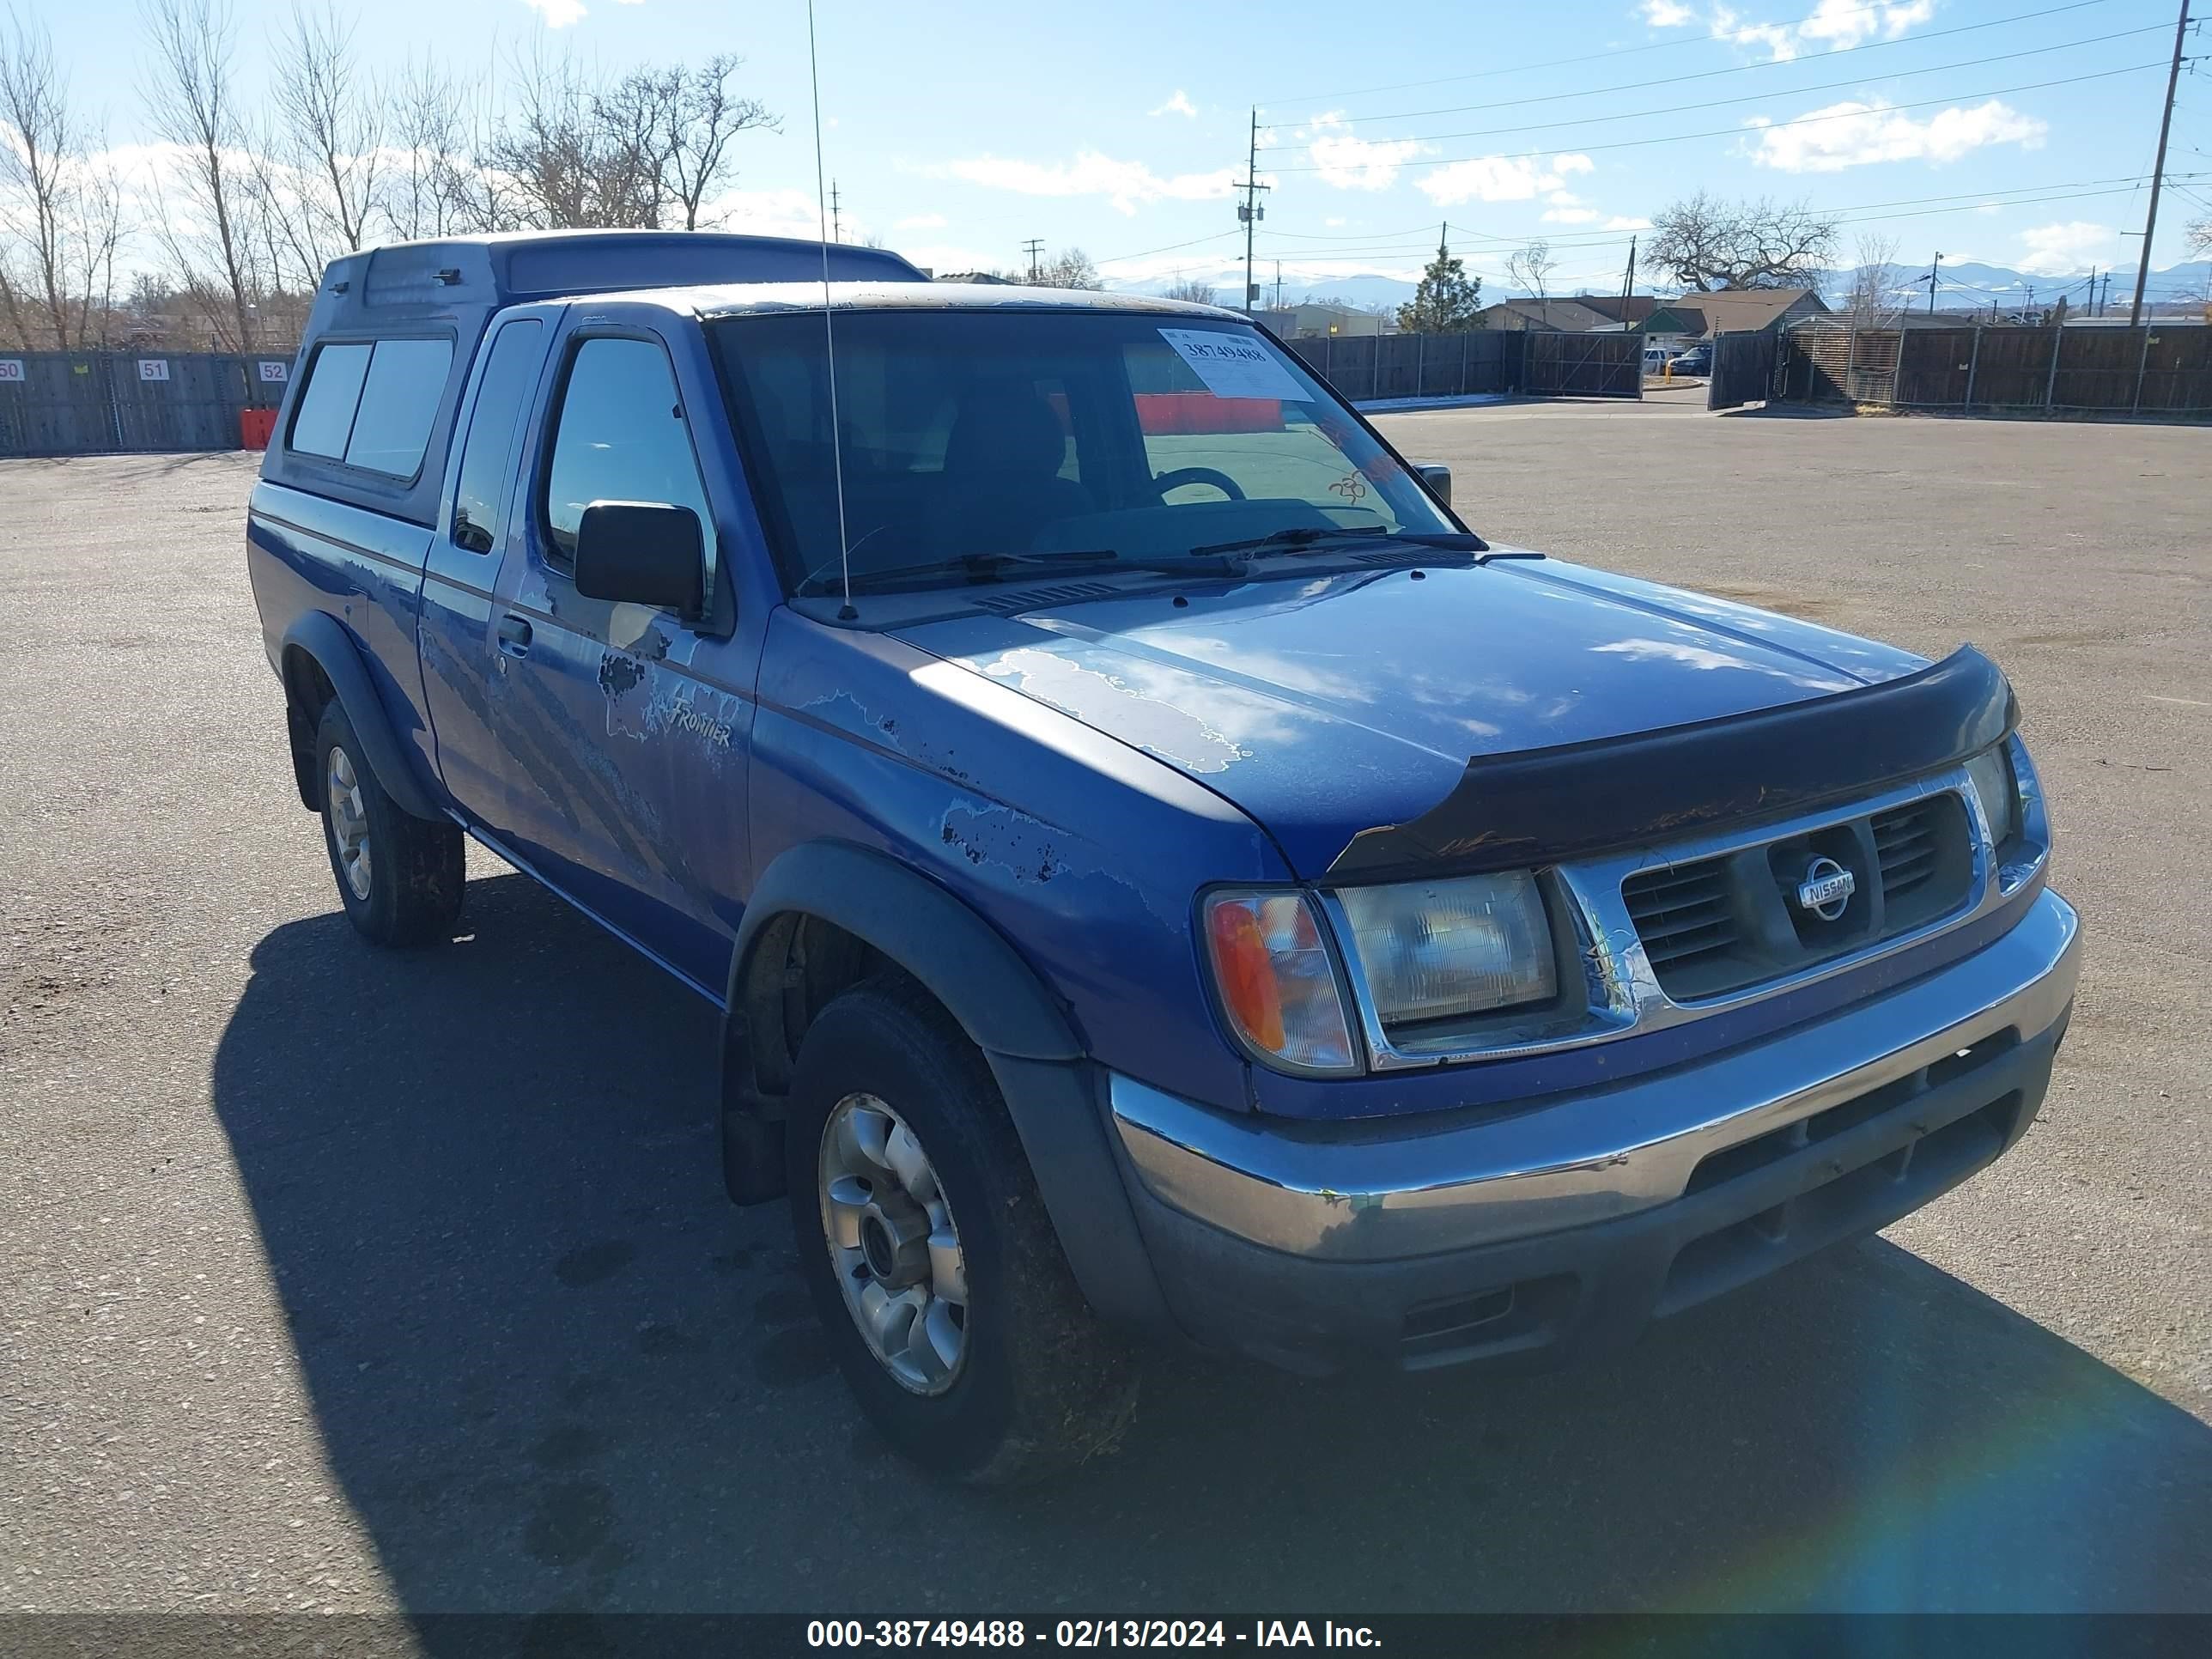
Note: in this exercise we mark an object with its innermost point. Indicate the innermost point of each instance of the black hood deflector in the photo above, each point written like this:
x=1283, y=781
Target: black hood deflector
x=1544, y=805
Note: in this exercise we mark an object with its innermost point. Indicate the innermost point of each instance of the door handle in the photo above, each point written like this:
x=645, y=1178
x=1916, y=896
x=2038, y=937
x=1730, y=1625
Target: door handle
x=514, y=636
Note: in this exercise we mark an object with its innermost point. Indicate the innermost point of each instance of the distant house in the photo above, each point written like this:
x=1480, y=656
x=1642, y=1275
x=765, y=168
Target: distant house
x=1313, y=321
x=1543, y=316
x=1628, y=308
x=1742, y=310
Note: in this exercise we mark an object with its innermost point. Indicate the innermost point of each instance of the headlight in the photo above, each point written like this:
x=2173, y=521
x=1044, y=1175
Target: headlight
x=1277, y=982
x=1431, y=949
x=1992, y=772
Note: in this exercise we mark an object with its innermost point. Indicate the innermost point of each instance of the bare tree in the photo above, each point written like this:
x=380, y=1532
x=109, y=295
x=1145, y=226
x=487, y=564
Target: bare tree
x=1872, y=286
x=1190, y=289
x=1708, y=244
x=575, y=156
x=61, y=211
x=698, y=118
x=1531, y=267
x=193, y=102
x=2200, y=235
x=323, y=158
x=1070, y=268
x=430, y=188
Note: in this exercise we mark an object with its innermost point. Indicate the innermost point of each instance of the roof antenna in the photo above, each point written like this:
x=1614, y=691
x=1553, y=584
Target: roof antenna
x=844, y=611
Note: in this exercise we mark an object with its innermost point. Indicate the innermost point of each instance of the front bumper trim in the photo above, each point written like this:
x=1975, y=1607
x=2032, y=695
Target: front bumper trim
x=1380, y=1189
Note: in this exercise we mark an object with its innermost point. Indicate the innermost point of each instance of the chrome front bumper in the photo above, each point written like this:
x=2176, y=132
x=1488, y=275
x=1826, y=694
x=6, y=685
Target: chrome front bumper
x=1382, y=1190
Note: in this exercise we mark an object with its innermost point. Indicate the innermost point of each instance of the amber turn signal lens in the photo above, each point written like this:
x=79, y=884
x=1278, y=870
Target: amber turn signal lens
x=1277, y=980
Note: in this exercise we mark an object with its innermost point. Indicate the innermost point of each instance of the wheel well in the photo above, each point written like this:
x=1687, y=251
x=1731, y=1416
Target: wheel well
x=799, y=963
x=307, y=693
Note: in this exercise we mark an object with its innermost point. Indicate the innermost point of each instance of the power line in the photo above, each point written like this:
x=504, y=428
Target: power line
x=1746, y=98
x=1774, y=126
x=1731, y=34
x=1143, y=253
x=1772, y=62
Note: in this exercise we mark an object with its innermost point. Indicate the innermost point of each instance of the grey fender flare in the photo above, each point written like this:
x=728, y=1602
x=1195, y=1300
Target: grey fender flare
x=326, y=640
x=1053, y=1092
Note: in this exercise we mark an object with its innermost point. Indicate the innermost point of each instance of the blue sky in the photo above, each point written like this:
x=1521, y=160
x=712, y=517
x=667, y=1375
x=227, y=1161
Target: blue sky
x=957, y=132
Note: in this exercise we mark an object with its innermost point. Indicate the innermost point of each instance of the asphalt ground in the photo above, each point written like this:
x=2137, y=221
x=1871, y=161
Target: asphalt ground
x=338, y=1280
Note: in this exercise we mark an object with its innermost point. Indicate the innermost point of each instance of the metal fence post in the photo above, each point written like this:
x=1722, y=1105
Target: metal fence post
x=1421, y=360
x=2143, y=361
x=1374, y=369
x=2050, y=380
x=1973, y=366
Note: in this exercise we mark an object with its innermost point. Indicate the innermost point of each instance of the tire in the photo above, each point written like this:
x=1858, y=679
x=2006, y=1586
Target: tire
x=1038, y=1385
x=399, y=876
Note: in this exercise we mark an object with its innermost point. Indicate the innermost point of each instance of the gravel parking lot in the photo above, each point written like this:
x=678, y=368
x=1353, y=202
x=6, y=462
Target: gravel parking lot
x=340, y=1279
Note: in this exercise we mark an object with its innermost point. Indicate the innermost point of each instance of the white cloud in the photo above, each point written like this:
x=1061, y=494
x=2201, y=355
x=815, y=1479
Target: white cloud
x=1332, y=224
x=2062, y=249
x=1500, y=179
x=1123, y=183
x=1353, y=163
x=1833, y=24
x=772, y=213
x=923, y=222
x=1626, y=221
x=1178, y=104
x=557, y=14
x=1852, y=134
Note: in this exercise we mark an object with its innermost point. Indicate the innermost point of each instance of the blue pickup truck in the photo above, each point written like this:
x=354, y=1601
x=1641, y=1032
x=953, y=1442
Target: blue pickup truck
x=1163, y=874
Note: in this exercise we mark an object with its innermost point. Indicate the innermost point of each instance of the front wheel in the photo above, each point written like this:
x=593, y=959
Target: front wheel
x=949, y=1306
x=399, y=876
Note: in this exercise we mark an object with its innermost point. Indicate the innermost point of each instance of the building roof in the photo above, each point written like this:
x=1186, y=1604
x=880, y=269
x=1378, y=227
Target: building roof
x=1566, y=316
x=1738, y=309
x=1620, y=308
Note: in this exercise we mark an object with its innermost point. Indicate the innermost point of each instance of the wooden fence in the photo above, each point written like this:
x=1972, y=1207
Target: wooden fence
x=2161, y=368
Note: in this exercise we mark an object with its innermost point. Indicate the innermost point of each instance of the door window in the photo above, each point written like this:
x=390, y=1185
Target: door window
x=621, y=437
x=509, y=375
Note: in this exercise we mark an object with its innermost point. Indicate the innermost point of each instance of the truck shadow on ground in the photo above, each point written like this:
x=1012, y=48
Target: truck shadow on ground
x=554, y=1370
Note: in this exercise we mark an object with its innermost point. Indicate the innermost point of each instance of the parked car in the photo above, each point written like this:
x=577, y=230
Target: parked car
x=1160, y=873
x=1698, y=360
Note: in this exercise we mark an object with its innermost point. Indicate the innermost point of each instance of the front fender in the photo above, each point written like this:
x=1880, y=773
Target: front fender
x=1028, y=1038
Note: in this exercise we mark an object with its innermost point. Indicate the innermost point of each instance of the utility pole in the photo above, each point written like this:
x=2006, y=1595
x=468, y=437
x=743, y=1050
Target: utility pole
x=2092, y=290
x=2158, y=168
x=1628, y=281
x=1278, y=284
x=836, y=226
x=1033, y=247
x=1249, y=209
x=1932, y=271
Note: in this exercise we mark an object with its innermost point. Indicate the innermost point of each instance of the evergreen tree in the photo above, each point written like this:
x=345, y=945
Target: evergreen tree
x=1447, y=299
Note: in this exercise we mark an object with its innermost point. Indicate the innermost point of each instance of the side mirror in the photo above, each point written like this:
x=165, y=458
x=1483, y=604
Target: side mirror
x=1437, y=476
x=641, y=553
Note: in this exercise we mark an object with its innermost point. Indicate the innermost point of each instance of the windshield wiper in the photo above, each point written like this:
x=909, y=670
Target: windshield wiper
x=1000, y=567
x=1310, y=535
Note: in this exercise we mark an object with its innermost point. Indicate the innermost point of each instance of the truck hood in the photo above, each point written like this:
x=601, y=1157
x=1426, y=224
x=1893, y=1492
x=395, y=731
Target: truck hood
x=1329, y=706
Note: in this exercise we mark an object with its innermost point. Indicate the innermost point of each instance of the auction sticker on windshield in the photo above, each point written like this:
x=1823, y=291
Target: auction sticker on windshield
x=1234, y=367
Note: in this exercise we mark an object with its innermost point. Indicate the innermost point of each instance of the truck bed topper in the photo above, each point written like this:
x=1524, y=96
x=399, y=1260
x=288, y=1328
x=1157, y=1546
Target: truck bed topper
x=450, y=288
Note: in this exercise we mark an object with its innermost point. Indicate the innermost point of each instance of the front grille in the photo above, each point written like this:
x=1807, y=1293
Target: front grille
x=1733, y=921
x=1904, y=847
x=1683, y=914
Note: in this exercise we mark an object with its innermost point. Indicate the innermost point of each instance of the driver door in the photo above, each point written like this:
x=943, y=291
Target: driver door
x=623, y=729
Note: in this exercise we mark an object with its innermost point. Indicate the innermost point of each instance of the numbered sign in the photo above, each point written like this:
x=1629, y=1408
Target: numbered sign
x=11, y=369
x=153, y=368
x=274, y=371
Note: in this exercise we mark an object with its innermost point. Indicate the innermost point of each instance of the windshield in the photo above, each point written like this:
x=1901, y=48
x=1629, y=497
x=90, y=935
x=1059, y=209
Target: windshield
x=974, y=440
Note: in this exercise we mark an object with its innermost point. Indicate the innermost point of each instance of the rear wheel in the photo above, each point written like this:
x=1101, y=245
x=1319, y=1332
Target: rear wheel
x=949, y=1304
x=399, y=876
